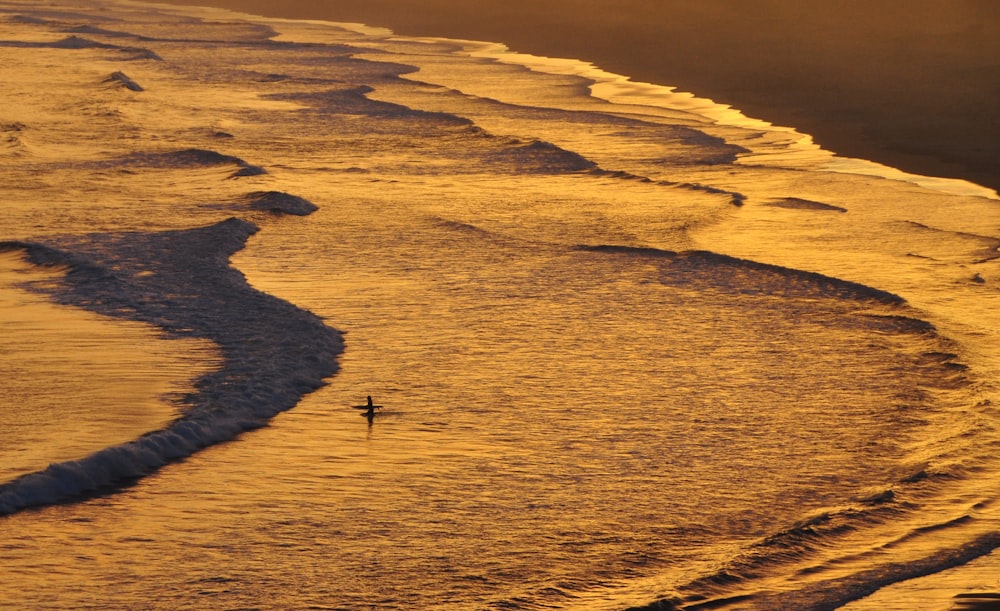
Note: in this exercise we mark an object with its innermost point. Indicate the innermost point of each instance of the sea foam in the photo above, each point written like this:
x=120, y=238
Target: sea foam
x=273, y=352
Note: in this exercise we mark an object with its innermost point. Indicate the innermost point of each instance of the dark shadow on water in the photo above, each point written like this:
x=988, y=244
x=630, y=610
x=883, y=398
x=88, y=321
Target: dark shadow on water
x=979, y=601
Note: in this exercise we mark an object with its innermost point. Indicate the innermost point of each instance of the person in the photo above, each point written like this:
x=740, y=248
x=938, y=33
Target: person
x=371, y=410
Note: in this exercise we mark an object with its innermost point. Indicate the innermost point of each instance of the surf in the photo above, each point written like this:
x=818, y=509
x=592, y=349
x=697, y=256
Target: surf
x=603, y=318
x=259, y=377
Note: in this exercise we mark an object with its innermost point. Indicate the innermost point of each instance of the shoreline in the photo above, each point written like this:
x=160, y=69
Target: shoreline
x=141, y=266
x=910, y=84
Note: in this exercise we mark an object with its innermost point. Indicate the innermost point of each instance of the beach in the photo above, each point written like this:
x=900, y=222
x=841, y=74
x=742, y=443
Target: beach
x=633, y=349
x=912, y=84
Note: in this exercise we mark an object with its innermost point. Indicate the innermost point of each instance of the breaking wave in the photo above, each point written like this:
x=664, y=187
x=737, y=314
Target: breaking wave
x=273, y=352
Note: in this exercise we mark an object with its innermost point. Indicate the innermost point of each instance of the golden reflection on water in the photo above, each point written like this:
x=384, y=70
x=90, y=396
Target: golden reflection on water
x=75, y=382
x=563, y=426
x=547, y=400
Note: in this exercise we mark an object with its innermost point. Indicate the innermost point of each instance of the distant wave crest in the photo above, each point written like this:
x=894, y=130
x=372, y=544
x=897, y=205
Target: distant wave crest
x=716, y=271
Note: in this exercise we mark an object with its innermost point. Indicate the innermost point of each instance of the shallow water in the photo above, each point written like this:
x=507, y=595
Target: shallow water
x=75, y=382
x=584, y=407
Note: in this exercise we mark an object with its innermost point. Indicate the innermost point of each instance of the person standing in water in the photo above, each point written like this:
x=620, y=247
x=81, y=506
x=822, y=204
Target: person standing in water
x=371, y=410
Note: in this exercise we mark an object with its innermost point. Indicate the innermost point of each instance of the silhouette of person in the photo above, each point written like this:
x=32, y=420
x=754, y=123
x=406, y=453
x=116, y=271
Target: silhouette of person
x=371, y=410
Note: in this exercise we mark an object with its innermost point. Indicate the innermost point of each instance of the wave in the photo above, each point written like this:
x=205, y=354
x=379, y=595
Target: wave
x=182, y=159
x=834, y=593
x=733, y=585
x=66, y=21
x=12, y=139
x=276, y=201
x=273, y=352
x=797, y=203
x=94, y=30
x=123, y=81
x=806, y=552
x=187, y=158
x=78, y=43
x=713, y=271
x=501, y=152
x=543, y=157
x=769, y=144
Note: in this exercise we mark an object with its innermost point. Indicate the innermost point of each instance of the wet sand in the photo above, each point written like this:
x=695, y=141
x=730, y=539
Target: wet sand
x=913, y=84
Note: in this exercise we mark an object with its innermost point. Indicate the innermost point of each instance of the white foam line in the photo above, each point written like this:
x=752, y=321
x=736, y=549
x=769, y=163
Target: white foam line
x=273, y=352
x=619, y=89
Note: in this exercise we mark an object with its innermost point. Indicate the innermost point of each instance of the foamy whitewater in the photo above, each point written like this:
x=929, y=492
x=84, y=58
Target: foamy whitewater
x=635, y=350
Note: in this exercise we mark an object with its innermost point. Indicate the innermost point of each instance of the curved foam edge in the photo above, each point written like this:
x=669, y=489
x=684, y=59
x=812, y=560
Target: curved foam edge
x=273, y=352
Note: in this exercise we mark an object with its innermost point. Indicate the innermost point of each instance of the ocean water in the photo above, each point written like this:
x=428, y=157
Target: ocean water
x=634, y=349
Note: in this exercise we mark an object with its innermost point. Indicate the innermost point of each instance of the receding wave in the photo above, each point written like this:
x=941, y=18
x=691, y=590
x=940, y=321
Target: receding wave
x=181, y=281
